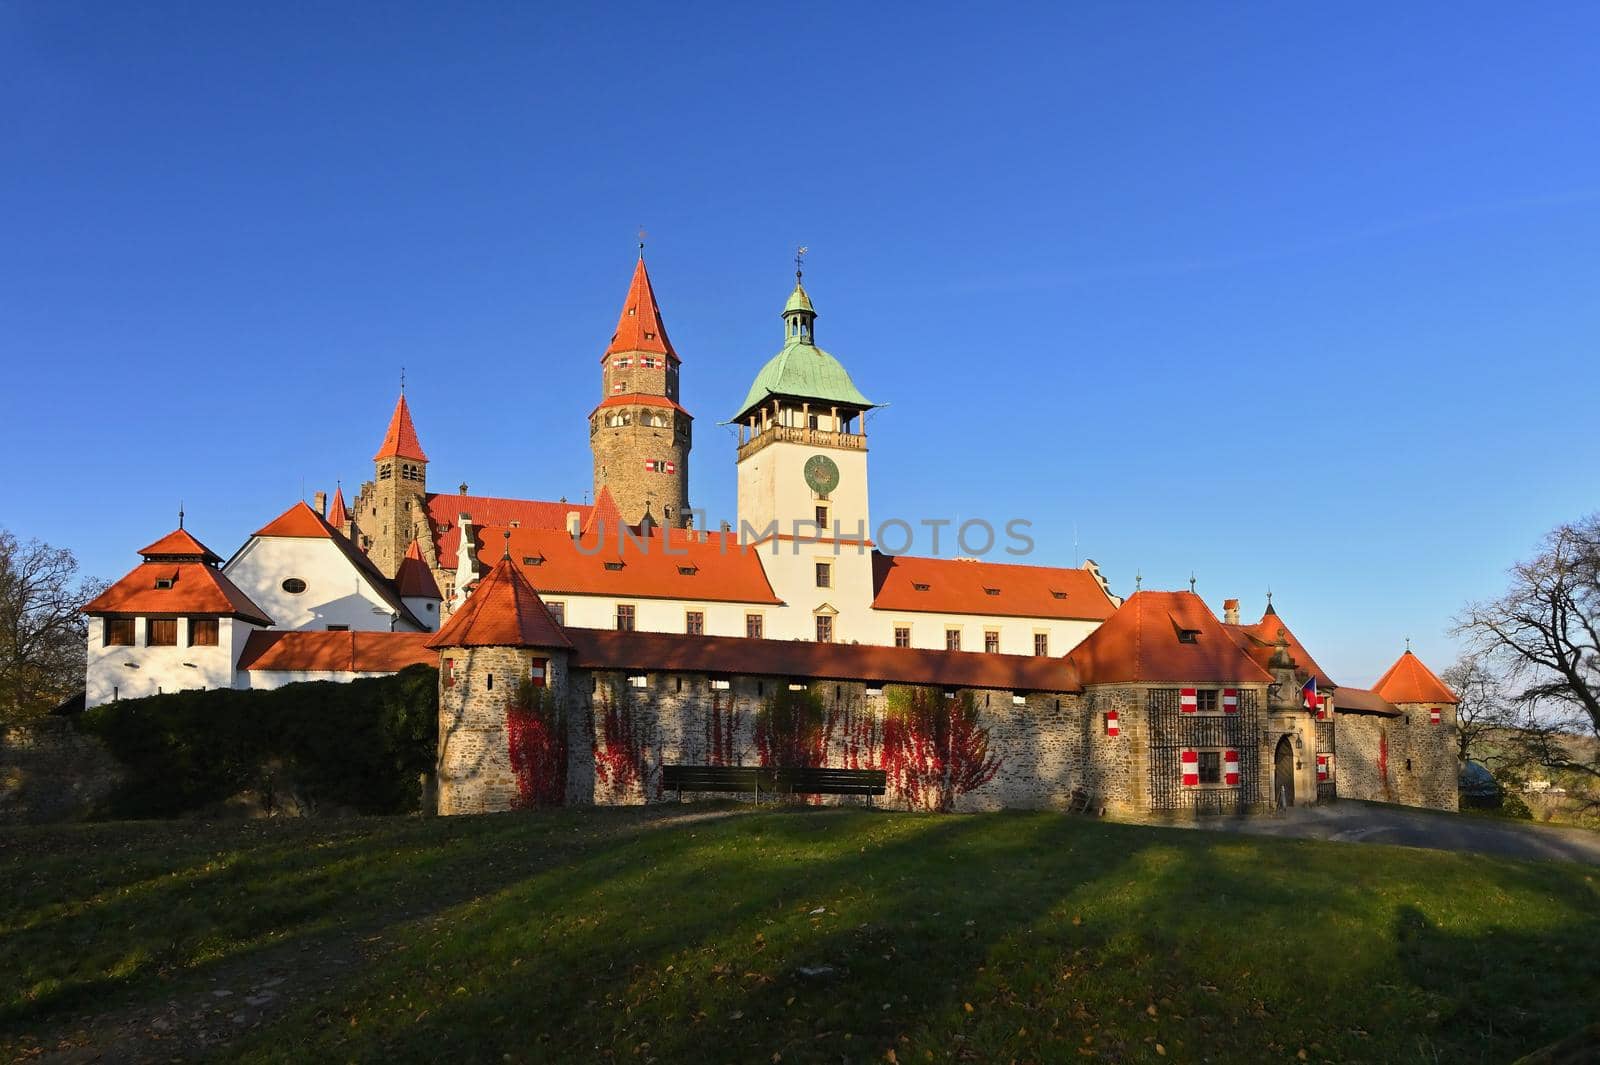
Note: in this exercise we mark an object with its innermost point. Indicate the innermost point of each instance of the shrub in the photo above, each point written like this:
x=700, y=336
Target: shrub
x=362, y=745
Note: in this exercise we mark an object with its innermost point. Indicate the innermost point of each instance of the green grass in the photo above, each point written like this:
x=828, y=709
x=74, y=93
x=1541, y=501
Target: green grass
x=630, y=935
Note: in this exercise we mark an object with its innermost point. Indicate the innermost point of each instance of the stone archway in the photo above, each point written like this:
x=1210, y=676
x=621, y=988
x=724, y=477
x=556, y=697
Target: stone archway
x=1283, y=772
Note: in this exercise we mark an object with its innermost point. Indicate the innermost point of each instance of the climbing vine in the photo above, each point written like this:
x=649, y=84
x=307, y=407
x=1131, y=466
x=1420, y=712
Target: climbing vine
x=857, y=733
x=619, y=761
x=536, y=727
x=933, y=747
x=722, y=730
x=791, y=729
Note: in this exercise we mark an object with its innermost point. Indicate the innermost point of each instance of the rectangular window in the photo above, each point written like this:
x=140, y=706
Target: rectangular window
x=203, y=632
x=720, y=684
x=1211, y=767
x=991, y=642
x=752, y=626
x=539, y=672
x=119, y=632
x=824, y=628
x=822, y=518
x=824, y=574
x=558, y=611
x=952, y=639
x=638, y=680
x=1041, y=644
x=162, y=632
x=624, y=617
x=449, y=673
x=694, y=623
x=902, y=636
x=1205, y=700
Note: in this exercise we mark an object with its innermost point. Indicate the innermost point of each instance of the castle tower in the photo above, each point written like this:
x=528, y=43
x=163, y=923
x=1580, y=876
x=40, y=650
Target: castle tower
x=803, y=483
x=639, y=433
x=397, y=493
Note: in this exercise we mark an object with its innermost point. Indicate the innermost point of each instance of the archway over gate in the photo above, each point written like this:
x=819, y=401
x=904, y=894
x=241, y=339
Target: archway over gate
x=1283, y=772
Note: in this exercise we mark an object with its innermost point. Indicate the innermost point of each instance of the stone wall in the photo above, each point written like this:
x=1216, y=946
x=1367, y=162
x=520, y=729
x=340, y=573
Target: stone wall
x=49, y=771
x=476, y=772
x=1406, y=759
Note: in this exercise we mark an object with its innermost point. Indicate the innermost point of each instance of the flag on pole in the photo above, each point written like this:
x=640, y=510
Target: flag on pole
x=1313, y=701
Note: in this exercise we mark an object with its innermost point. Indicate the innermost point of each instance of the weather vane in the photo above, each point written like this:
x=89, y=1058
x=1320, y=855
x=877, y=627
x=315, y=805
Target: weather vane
x=642, y=235
x=1191, y=580
x=402, y=380
x=799, y=260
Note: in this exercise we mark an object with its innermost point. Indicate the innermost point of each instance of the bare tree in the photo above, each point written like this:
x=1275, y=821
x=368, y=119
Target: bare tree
x=1488, y=717
x=41, y=631
x=1545, y=633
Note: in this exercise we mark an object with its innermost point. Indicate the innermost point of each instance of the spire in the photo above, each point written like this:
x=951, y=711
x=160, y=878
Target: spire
x=401, y=439
x=338, y=514
x=640, y=327
x=799, y=317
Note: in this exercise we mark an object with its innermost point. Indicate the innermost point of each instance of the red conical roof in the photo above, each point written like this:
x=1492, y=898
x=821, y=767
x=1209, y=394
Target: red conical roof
x=503, y=611
x=401, y=439
x=338, y=516
x=415, y=579
x=1409, y=681
x=179, y=544
x=605, y=511
x=640, y=328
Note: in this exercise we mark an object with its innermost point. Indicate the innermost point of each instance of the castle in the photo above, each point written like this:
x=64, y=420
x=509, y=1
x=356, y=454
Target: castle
x=583, y=646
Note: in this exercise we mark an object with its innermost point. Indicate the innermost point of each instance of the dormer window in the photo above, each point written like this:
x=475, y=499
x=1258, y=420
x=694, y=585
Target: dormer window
x=918, y=586
x=533, y=560
x=991, y=591
x=614, y=566
x=1188, y=636
x=687, y=571
x=164, y=582
x=1058, y=595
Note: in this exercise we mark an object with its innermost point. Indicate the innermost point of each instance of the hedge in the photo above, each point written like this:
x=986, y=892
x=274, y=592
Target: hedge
x=361, y=746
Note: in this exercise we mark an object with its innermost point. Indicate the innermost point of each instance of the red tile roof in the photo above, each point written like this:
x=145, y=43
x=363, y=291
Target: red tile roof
x=401, y=439
x=961, y=586
x=336, y=652
x=1140, y=642
x=502, y=611
x=301, y=522
x=198, y=588
x=671, y=564
x=338, y=515
x=1409, y=681
x=415, y=579
x=605, y=514
x=1260, y=640
x=444, y=510
x=179, y=544
x=801, y=659
x=640, y=328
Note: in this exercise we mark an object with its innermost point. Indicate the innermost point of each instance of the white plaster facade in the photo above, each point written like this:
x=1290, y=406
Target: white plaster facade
x=135, y=670
x=336, y=592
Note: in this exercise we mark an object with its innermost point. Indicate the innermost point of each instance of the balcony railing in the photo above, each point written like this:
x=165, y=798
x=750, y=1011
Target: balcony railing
x=801, y=435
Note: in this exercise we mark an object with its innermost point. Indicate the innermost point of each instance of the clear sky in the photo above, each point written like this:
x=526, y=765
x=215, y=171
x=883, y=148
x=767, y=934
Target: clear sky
x=1279, y=294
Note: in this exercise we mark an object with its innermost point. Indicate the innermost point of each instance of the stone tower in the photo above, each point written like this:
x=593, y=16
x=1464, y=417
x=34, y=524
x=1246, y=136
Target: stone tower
x=390, y=507
x=639, y=433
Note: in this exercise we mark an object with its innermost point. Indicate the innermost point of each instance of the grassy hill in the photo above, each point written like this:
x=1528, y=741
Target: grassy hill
x=695, y=934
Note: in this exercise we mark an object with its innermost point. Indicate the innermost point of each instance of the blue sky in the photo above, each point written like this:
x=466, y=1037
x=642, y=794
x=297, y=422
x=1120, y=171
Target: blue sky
x=1280, y=295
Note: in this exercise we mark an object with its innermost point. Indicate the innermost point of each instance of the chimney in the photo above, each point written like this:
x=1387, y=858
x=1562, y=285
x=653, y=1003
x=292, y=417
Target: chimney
x=574, y=526
x=1230, y=611
x=319, y=503
x=463, y=487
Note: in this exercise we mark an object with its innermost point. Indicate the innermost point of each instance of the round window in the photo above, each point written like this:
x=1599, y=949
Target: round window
x=294, y=585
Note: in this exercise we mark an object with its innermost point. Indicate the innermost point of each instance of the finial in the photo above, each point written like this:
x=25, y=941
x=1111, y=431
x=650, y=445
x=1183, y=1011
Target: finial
x=402, y=380
x=1408, y=639
x=799, y=262
x=180, y=525
x=505, y=556
x=1138, y=580
x=642, y=235
x=1191, y=582
x=1269, y=595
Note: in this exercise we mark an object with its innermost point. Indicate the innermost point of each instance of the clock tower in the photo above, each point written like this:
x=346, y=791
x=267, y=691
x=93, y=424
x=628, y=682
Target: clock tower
x=803, y=485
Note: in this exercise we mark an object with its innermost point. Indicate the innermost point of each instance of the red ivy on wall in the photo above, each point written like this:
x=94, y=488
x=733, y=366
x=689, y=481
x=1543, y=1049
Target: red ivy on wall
x=934, y=749
x=536, y=734
x=791, y=729
x=722, y=730
x=619, y=748
x=857, y=733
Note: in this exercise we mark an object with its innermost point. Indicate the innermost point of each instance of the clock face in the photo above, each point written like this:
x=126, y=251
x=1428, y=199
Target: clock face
x=822, y=474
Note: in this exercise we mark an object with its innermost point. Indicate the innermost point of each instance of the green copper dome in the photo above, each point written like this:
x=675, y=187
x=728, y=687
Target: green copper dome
x=802, y=370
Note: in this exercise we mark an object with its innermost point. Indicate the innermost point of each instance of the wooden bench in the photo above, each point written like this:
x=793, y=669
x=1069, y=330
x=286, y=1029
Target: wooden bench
x=787, y=780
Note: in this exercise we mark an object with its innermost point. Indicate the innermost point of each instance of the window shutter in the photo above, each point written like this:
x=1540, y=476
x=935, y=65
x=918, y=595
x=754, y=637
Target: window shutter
x=1435, y=716
x=1324, y=768
x=1111, y=723
x=1191, y=769
x=1230, y=700
x=1187, y=701
x=1230, y=768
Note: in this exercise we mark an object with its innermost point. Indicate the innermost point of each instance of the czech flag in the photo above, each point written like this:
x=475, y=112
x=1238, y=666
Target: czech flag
x=1309, y=691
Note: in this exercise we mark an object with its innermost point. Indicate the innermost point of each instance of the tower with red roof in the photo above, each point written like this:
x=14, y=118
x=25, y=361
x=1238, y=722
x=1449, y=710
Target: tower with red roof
x=392, y=509
x=640, y=434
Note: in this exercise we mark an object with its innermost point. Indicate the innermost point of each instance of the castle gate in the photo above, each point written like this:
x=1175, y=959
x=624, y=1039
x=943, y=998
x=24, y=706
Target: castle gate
x=1283, y=772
